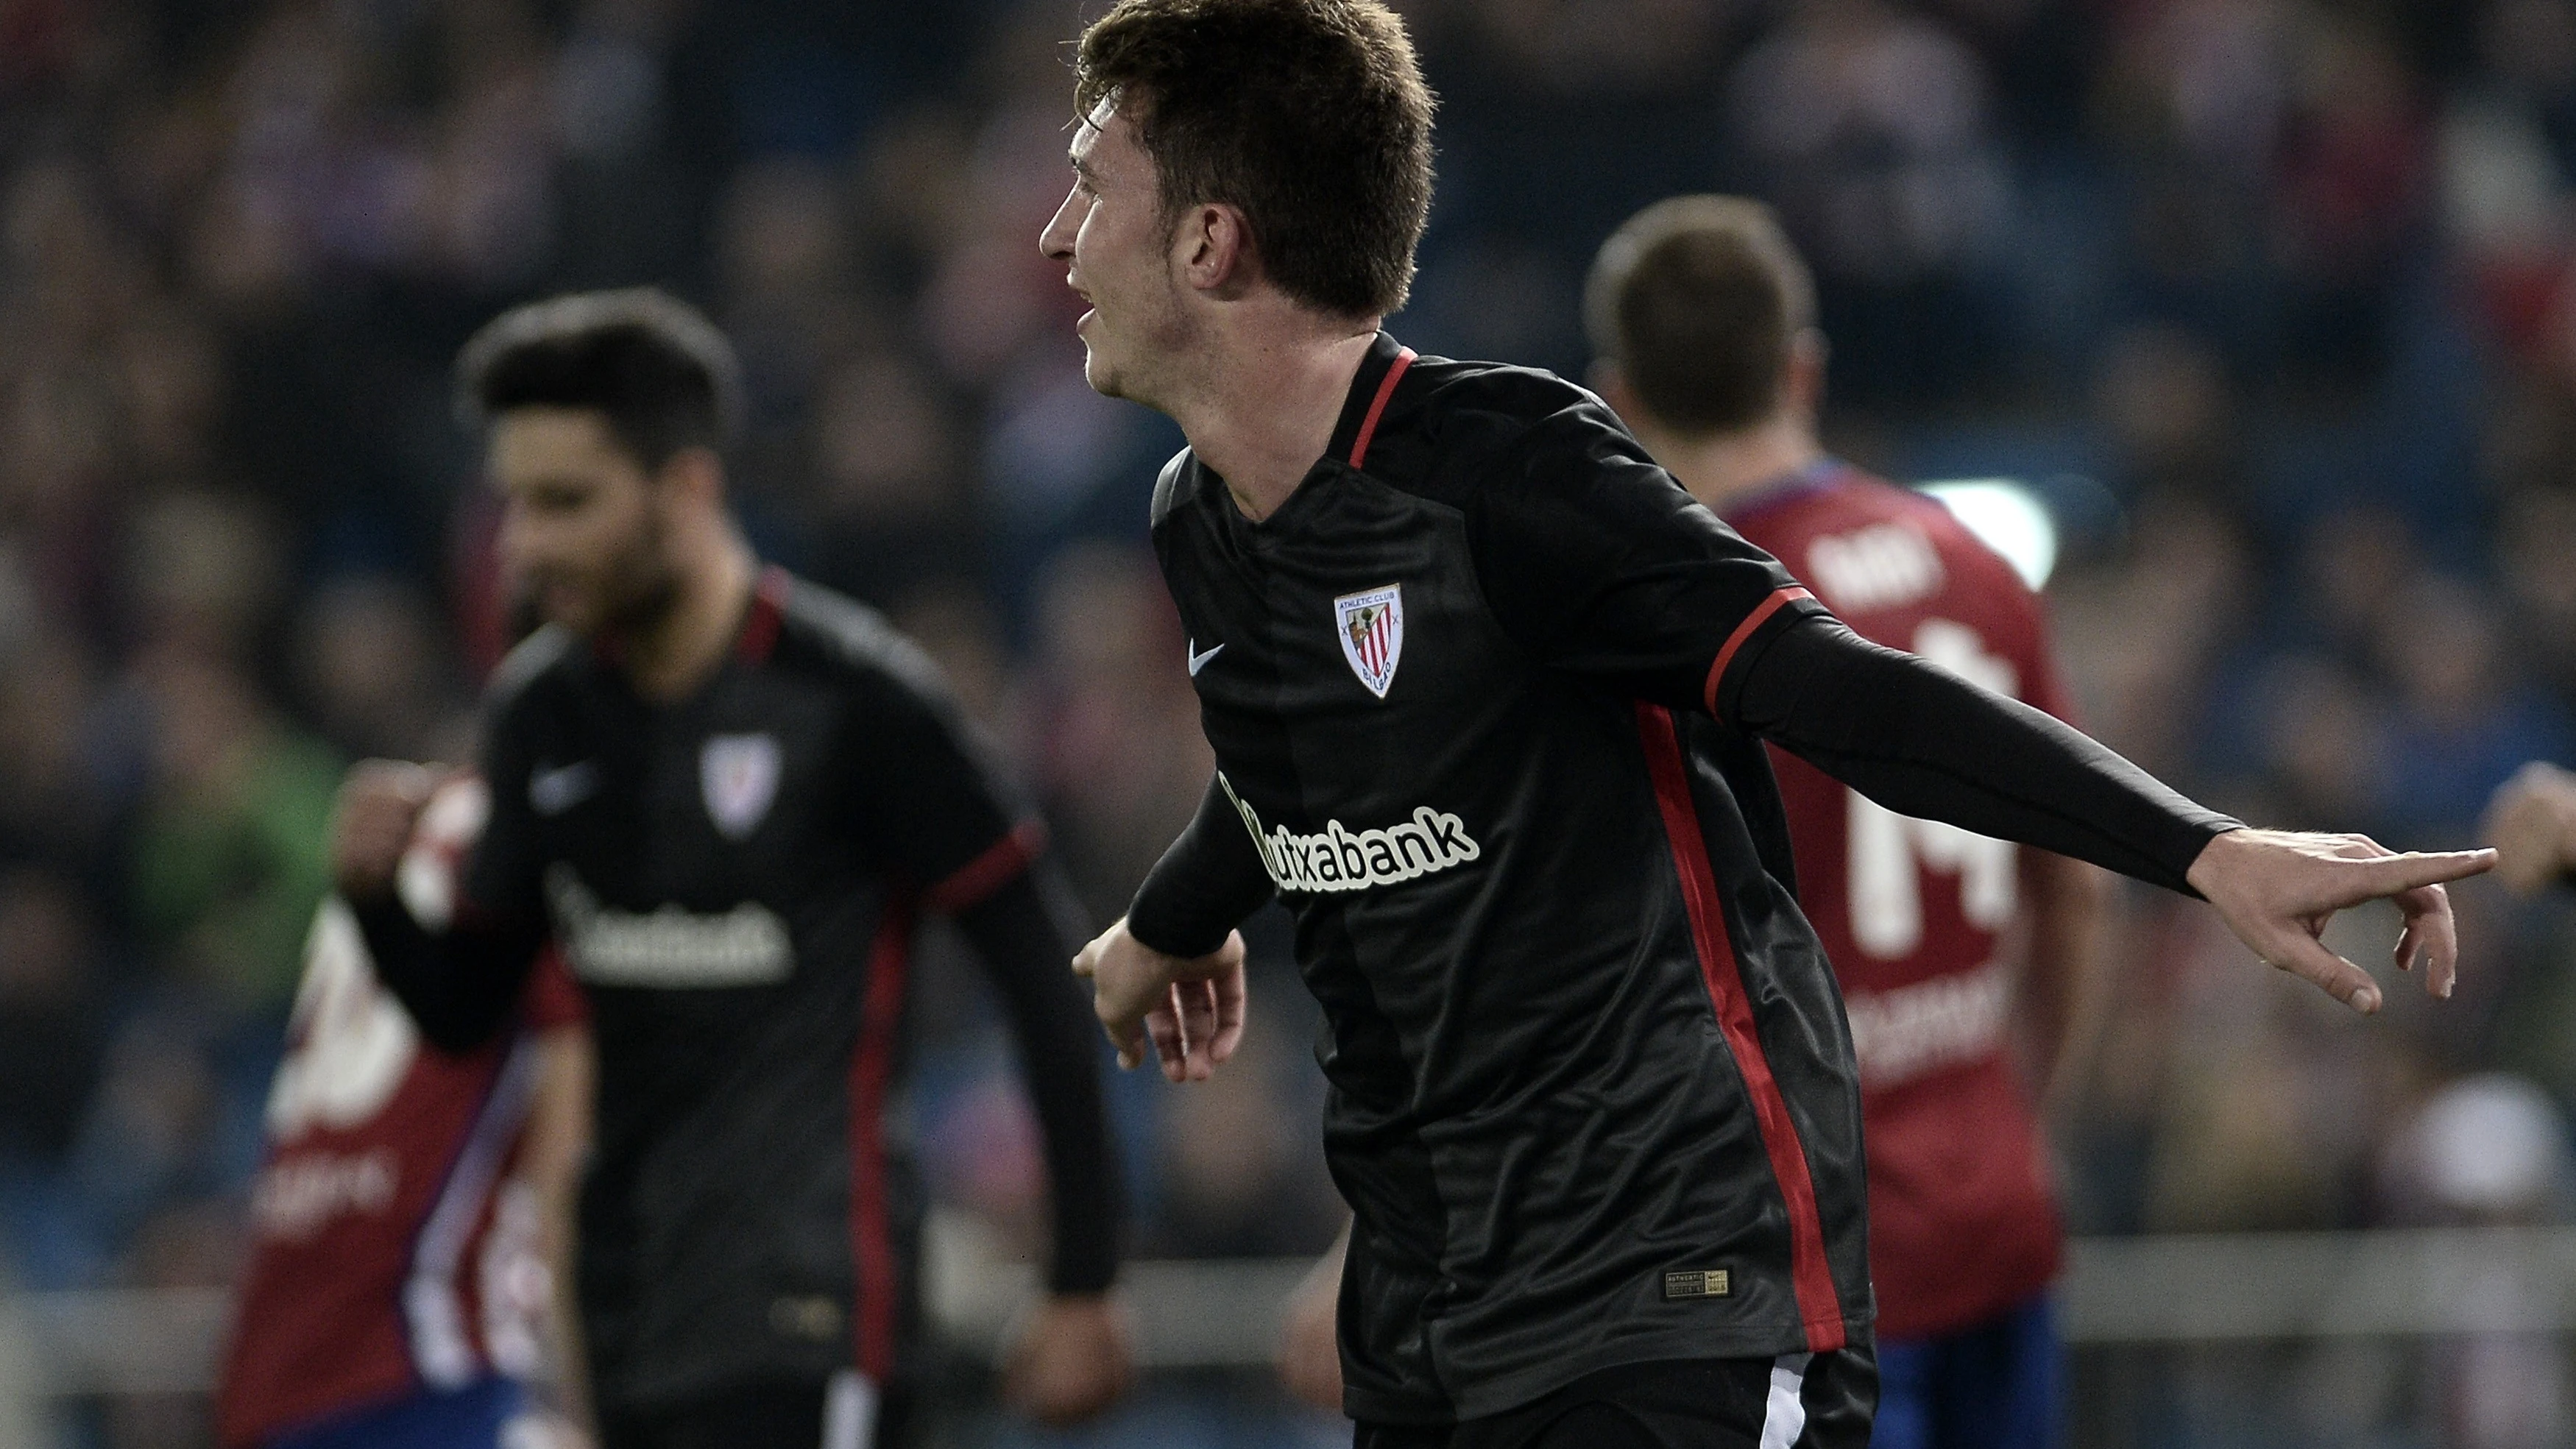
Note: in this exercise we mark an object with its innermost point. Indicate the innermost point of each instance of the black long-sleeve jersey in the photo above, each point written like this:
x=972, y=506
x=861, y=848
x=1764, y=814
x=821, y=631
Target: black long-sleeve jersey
x=735, y=880
x=1485, y=694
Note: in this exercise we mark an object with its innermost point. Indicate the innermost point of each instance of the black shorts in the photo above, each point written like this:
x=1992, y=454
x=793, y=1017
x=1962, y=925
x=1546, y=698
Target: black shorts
x=1810, y=1401
x=768, y=1416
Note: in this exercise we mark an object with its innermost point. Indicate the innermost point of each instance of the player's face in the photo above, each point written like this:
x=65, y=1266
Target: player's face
x=583, y=524
x=1115, y=242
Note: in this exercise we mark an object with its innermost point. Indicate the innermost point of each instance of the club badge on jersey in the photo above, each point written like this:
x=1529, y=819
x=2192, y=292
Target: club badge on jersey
x=1371, y=624
x=738, y=775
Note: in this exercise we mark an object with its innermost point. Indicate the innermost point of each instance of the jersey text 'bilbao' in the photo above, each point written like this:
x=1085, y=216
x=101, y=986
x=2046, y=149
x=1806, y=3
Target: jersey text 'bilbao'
x=734, y=879
x=394, y=1244
x=1963, y=1220
x=1590, y=1090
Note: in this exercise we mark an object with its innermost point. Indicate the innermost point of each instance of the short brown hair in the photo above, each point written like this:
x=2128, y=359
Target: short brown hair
x=1309, y=115
x=651, y=365
x=1697, y=299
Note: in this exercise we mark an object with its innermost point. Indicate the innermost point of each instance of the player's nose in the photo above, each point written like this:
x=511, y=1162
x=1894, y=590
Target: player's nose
x=1055, y=242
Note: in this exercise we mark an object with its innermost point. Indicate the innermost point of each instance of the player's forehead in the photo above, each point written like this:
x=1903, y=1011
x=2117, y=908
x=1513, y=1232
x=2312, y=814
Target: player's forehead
x=1103, y=142
x=558, y=442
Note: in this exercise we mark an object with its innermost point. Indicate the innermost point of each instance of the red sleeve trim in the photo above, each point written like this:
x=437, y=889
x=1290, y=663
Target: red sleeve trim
x=555, y=1000
x=1780, y=598
x=1377, y=405
x=761, y=621
x=872, y=1246
x=997, y=867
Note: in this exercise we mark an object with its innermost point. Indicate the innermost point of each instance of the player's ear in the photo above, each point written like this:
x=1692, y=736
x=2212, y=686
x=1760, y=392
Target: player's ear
x=1214, y=250
x=1803, y=375
x=696, y=474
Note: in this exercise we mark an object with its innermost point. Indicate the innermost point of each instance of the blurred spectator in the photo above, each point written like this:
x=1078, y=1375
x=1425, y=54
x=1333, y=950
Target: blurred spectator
x=161, y=1129
x=230, y=851
x=1113, y=668
x=52, y=1015
x=1869, y=129
x=2463, y=722
x=2162, y=395
x=1232, y=1159
x=371, y=667
x=2491, y=1151
x=892, y=503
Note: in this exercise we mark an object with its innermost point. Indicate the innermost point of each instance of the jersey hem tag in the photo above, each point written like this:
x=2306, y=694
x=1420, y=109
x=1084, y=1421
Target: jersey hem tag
x=1697, y=1283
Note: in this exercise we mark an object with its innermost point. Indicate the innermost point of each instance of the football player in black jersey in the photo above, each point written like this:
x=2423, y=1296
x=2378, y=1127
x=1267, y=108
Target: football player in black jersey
x=1486, y=691
x=730, y=795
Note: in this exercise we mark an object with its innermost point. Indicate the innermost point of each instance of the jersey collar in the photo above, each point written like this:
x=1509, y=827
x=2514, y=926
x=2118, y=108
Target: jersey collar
x=1365, y=409
x=762, y=616
x=1787, y=488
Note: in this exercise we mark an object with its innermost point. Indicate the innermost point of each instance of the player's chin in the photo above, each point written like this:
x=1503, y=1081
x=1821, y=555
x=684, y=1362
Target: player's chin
x=571, y=608
x=1099, y=371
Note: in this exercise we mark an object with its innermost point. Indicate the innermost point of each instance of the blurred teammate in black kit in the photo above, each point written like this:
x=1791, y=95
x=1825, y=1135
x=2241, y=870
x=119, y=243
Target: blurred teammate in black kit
x=1486, y=690
x=730, y=795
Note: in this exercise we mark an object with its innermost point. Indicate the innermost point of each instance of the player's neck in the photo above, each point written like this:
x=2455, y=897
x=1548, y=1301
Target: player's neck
x=669, y=658
x=1264, y=407
x=1722, y=469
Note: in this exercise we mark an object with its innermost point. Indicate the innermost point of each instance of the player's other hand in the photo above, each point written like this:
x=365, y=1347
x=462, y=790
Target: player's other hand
x=1070, y=1360
x=1310, y=1351
x=1190, y=1008
x=2276, y=889
x=2532, y=821
x=371, y=826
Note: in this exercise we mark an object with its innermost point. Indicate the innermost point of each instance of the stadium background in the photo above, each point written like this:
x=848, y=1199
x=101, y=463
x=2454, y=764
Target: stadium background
x=2274, y=301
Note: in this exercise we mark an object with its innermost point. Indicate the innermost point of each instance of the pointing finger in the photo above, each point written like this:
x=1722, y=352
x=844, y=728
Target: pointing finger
x=2392, y=875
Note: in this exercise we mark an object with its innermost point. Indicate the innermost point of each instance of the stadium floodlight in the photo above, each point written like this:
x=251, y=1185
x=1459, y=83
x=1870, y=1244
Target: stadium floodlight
x=2007, y=517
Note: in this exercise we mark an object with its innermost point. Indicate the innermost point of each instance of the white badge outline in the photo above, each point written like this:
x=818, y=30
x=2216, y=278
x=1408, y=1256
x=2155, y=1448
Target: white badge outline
x=1391, y=596
x=738, y=780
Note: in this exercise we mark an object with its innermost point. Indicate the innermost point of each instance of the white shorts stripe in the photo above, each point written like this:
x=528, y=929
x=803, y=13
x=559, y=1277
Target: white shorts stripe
x=442, y=1347
x=1784, y=1417
x=849, y=1411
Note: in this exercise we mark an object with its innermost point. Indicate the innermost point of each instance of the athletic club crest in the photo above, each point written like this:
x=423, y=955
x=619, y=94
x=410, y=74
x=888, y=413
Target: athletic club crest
x=1372, y=629
x=738, y=774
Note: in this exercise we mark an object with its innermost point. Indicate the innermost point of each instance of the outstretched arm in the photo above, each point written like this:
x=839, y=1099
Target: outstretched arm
x=1926, y=743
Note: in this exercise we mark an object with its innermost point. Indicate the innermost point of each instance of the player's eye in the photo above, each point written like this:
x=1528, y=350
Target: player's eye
x=557, y=498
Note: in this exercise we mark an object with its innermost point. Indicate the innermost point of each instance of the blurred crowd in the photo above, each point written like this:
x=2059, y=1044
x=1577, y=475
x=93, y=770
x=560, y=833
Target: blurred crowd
x=2274, y=302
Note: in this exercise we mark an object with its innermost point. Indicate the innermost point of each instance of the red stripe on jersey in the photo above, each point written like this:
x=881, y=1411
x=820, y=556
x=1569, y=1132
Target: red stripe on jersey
x=761, y=622
x=997, y=867
x=1735, y=641
x=1810, y=1277
x=871, y=1225
x=1377, y=405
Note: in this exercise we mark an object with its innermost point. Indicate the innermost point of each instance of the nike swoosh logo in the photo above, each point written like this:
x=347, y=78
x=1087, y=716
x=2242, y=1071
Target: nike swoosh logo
x=1198, y=661
x=554, y=791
